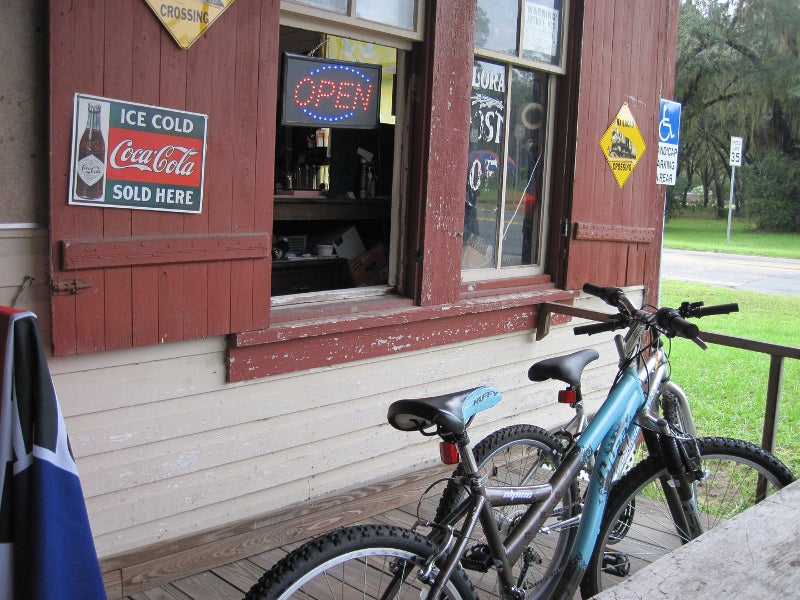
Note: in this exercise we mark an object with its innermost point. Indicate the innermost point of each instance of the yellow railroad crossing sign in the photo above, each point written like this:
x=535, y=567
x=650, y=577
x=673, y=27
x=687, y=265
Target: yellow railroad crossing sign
x=622, y=144
x=187, y=20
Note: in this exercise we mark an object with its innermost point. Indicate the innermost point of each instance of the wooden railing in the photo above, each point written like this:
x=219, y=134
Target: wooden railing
x=776, y=352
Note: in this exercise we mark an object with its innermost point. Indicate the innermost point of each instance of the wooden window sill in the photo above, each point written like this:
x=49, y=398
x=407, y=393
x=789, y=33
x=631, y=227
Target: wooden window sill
x=310, y=336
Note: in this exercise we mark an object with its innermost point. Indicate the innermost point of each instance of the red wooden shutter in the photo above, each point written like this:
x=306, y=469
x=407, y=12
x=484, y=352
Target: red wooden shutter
x=123, y=278
x=616, y=232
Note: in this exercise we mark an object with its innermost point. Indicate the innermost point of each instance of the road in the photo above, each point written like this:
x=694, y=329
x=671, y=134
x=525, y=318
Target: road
x=756, y=273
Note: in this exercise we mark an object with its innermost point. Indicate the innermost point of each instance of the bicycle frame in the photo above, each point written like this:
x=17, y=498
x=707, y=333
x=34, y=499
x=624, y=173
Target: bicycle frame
x=618, y=421
x=614, y=423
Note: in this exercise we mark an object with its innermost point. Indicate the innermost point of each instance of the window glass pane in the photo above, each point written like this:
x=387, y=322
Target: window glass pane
x=523, y=207
x=496, y=25
x=485, y=164
x=541, y=30
x=339, y=6
x=397, y=13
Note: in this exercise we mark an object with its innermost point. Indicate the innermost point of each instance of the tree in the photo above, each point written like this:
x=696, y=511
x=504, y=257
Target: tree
x=738, y=73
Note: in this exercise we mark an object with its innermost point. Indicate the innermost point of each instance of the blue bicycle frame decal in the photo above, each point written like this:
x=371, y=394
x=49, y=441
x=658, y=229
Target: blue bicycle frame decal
x=612, y=424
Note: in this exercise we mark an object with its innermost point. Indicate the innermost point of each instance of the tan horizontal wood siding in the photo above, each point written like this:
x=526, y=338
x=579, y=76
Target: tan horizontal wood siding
x=166, y=448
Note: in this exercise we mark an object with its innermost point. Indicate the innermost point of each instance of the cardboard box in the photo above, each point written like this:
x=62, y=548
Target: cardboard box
x=346, y=243
x=371, y=268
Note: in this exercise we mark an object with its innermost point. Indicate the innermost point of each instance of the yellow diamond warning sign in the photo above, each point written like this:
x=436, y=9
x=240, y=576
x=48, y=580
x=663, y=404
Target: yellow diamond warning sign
x=622, y=145
x=187, y=20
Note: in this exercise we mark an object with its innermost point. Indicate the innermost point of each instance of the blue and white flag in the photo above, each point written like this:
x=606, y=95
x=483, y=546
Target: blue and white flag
x=46, y=546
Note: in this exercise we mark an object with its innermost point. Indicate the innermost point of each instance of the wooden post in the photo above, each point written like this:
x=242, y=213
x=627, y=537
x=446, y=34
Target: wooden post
x=771, y=410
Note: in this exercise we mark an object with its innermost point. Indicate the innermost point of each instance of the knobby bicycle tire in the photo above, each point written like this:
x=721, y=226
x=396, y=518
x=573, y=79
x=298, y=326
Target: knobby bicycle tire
x=513, y=456
x=361, y=561
x=637, y=527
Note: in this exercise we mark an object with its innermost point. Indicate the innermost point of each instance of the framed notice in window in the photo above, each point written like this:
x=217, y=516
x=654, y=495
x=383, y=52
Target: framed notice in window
x=541, y=33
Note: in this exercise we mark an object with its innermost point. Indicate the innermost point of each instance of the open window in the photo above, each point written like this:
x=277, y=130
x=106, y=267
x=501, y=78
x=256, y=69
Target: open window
x=334, y=164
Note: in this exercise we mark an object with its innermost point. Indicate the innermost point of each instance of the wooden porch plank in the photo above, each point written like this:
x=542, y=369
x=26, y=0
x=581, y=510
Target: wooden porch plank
x=166, y=592
x=242, y=574
x=145, y=570
x=208, y=585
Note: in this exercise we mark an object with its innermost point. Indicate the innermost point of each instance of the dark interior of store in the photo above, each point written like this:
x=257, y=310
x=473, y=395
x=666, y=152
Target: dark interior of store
x=333, y=189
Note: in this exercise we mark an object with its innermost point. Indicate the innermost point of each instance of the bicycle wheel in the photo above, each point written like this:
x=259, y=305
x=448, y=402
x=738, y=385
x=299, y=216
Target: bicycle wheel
x=514, y=456
x=638, y=505
x=362, y=561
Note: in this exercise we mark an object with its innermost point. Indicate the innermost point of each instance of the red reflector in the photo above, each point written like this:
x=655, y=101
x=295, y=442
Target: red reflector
x=566, y=396
x=448, y=452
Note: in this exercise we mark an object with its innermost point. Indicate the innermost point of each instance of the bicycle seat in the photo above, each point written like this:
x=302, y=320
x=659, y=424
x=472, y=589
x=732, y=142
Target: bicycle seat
x=449, y=412
x=567, y=368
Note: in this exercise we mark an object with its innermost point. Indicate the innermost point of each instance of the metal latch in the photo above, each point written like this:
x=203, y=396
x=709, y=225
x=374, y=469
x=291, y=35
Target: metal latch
x=68, y=286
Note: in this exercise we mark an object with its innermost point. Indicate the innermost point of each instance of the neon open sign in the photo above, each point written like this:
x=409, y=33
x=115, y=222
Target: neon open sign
x=330, y=93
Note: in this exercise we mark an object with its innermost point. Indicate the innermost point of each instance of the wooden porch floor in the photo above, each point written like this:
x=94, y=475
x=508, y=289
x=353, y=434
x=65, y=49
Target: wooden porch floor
x=225, y=564
x=231, y=581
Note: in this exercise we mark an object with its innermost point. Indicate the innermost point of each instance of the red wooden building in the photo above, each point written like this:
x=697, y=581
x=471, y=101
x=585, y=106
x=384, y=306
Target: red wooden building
x=196, y=360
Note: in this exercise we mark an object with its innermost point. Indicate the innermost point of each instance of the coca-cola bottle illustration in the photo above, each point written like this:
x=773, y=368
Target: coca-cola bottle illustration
x=90, y=169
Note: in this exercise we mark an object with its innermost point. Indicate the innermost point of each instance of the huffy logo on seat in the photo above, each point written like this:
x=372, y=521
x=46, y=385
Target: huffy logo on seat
x=482, y=398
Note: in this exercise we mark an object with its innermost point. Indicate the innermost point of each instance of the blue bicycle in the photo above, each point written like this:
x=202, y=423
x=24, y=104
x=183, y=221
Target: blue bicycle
x=518, y=526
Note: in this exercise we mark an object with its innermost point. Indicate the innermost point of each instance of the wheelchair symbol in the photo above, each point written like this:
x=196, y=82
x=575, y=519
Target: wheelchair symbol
x=665, y=126
x=665, y=132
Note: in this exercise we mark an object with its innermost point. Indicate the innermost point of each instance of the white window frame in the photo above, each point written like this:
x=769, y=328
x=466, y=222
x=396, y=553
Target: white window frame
x=308, y=18
x=518, y=60
x=350, y=26
x=552, y=72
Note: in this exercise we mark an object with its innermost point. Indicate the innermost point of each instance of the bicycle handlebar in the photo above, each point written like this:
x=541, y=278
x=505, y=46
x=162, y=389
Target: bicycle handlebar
x=670, y=321
x=698, y=310
x=609, y=295
x=591, y=329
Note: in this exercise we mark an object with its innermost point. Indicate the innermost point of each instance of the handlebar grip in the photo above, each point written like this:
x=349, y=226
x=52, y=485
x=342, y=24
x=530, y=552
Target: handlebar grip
x=673, y=322
x=597, y=328
x=719, y=309
x=609, y=295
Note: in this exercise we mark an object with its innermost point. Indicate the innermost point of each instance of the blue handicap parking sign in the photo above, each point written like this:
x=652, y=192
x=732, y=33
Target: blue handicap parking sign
x=669, y=122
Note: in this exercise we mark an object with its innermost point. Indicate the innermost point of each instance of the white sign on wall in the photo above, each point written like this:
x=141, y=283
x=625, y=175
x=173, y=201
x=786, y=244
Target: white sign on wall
x=669, y=125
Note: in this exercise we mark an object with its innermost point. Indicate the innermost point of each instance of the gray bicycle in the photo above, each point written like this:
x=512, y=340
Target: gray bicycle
x=516, y=523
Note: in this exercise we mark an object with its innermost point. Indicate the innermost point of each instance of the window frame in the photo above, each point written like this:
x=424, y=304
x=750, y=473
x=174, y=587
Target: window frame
x=528, y=63
x=436, y=307
x=346, y=25
x=552, y=72
x=398, y=212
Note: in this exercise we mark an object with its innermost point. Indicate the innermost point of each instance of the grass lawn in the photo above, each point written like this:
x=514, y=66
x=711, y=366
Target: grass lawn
x=727, y=387
x=702, y=230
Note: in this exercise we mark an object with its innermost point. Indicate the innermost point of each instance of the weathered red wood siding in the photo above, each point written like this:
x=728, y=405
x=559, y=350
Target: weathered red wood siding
x=627, y=55
x=120, y=50
x=440, y=83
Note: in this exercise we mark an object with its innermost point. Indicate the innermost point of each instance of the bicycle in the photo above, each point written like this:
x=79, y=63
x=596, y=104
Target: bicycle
x=521, y=439
x=385, y=561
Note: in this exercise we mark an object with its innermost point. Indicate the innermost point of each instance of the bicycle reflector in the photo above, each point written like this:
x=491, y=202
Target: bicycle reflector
x=567, y=396
x=448, y=452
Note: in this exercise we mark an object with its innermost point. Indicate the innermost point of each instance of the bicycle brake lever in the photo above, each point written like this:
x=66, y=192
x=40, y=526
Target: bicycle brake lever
x=699, y=342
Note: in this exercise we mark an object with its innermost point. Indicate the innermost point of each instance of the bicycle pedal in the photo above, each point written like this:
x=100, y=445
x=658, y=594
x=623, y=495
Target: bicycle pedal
x=477, y=559
x=616, y=563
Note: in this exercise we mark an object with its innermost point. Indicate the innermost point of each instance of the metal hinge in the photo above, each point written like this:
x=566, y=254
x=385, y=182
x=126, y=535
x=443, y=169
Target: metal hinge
x=565, y=228
x=68, y=286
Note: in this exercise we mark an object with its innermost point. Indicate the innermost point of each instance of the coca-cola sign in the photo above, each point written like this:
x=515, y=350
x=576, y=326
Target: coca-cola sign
x=128, y=155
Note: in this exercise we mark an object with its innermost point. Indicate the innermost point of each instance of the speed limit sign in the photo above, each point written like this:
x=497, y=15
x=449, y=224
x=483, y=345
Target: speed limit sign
x=736, y=152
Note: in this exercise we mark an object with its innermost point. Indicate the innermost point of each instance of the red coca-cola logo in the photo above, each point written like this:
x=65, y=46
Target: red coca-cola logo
x=169, y=159
x=154, y=158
